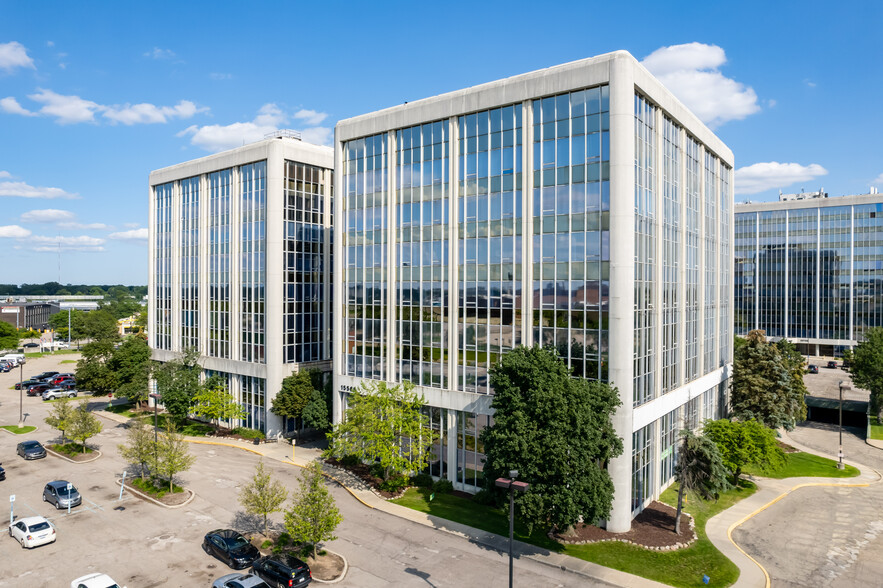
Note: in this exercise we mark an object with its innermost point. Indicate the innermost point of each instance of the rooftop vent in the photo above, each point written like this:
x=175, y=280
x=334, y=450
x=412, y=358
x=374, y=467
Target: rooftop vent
x=284, y=134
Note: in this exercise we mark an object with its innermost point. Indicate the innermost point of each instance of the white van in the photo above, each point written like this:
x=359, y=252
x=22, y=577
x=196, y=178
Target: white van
x=17, y=358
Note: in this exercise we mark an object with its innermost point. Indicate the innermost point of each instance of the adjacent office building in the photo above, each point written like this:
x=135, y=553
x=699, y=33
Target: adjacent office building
x=240, y=266
x=580, y=206
x=809, y=268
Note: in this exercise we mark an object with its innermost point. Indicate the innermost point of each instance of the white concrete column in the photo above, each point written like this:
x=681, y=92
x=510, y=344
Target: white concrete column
x=176, y=213
x=818, y=242
x=622, y=273
x=274, y=276
x=338, y=281
x=452, y=417
x=327, y=260
x=203, y=270
x=390, y=277
x=683, y=343
x=235, y=281
x=151, y=267
x=453, y=276
x=852, y=333
x=527, y=277
x=703, y=279
x=756, y=271
x=659, y=259
x=785, y=314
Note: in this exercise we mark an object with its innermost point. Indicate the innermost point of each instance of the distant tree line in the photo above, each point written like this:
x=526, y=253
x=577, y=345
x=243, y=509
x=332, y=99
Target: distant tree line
x=56, y=289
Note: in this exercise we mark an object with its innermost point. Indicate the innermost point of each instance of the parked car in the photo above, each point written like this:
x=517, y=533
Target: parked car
x=239, y=581
x=61, y=377
x=94, y=580
x=813, y=369
x=57, y=493
x=67, y=384
x=37, y=389
x=44, y=375
x=5, y=366
x=230, y=547
x=30, y=450
x=32, y=531
x=31, y=345
x=832, y=364
x=53, y=393
x=26, y=383
x=2, y=474
x=282, y=570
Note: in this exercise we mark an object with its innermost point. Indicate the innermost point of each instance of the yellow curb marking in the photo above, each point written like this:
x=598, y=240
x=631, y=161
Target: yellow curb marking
x=329, y=476
x=769, y=504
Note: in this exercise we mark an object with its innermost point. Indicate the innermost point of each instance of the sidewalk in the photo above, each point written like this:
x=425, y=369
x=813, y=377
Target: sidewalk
x=302, y=456
x=770, y=491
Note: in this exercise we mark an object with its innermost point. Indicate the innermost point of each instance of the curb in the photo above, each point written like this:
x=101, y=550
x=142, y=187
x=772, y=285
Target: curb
x=66, y=458
x=140, y=494
x=36, y=428
x=201, y=442
x=342, y=574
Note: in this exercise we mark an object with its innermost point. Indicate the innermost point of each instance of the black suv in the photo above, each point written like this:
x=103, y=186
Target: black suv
x=230, y=547
x=282, y=570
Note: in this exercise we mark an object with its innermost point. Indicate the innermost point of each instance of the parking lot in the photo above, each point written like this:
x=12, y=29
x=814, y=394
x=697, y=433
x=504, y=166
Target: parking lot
x=143, y=545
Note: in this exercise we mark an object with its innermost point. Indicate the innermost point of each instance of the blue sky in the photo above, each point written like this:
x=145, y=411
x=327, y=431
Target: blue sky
x=95, y=95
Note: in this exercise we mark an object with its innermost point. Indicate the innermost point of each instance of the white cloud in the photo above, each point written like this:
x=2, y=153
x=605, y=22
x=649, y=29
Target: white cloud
x=11, y=105
x=133, y=235
x=690, y=71
x=759, y=177
x=310, y=117
x=24, y=190
x=14, y=232
x=50, y=43
x=877, y=182
x=65, y=109
x=148, y=113
x=5, y=174
x=131, y=225
x=13, y=55
x=220, y=76
x=81, y=243
x=47, y=215
x=85, y=226
x=269, y=119
x=158, y=53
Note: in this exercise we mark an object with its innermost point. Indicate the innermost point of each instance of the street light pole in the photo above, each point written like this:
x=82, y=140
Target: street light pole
x=840, y=419
x=21, y=388
x=513, y=486
x=155, y=397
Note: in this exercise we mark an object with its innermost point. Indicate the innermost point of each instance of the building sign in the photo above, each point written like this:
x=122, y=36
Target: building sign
x=9, y=310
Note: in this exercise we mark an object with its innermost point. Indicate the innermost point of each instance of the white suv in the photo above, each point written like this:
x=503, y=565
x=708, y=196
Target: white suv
x=54, y=393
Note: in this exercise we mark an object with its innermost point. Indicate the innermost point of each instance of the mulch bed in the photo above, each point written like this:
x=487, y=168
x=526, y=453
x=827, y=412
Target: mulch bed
x=653, y=528
x=78, y=456
x=363, y=472
x=326, y=567
x=786, y=448
x=168, y=498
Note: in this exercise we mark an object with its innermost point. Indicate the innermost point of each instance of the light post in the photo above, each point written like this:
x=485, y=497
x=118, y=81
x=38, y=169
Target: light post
x=155, y=397
x=843, y=384
x=21, y=392
x=513, y=487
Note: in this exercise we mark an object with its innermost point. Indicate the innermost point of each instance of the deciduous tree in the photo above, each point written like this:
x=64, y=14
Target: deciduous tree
x=61, y=416
x=744, y=443
x=173, y=456
x=556, y=430
x=9, y=337
x=313, y=515
x=177, y=382
x=867, y=367
x=130, y=363
x=315, y=413
x=385, y=424
x=215, y=403
x=139, y=449
x=94, y=372
x=263, y=495
x=293, y=396
x=83, y=424
x=699, y=471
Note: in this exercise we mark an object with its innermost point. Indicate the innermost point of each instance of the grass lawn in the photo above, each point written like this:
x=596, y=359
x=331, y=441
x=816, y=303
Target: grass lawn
x=683, y=567
x=44, y=354
x=68, y=361
x=805, y=464
x=19, y=430
x=189, y=427
x=70, y=449
x=124, y=409
x=156, y=489
x=876, y=428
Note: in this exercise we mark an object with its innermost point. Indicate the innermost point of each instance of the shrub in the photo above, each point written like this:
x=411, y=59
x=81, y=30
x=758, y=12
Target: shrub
x=485, y=497
x=394, y=484
x=377, y=470
x=249, y=433
x=443, y=487
x=422, y=480
x=266, y=544
x=350, y=460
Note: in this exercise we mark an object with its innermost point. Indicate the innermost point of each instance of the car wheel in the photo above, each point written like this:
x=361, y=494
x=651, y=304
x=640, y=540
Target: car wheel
x=22, y=541
x=44, y=498
x=71, y=395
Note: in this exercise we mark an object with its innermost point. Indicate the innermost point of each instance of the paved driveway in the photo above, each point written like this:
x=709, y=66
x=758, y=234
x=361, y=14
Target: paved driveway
x=822, y=536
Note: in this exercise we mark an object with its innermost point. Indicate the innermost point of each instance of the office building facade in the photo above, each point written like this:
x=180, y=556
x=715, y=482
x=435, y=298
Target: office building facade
x=580, y=206
x=810, y=270
x=240, y=267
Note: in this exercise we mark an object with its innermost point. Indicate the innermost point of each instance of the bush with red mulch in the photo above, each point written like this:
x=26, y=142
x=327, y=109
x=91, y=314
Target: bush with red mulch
x=654, y=527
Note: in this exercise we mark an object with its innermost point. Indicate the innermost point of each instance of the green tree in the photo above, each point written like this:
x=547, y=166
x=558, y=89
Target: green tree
x=293, y=396
x=763, y=387
x=83, y=424
x=130, y=363
x=744, y=443
x=59, y=323
x=699, y=471
x=9, y=337
x=61, y=416
x=386, y=425
x=313, y=515
x=215, y=403
x=867, y=367
x=795, y=365
x=94, y=371
x=177, y=382
x=100, y=325
x=139, y=448
x=557, y=432
x=172, y=455
x=315, y=413
x=263, y=495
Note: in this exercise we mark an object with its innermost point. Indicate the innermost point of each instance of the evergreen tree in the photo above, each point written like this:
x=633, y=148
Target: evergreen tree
x=699, y=471
x=293, y=396
x=263, y=495
x=557, y=432
x=315, y=413
x=313, y=515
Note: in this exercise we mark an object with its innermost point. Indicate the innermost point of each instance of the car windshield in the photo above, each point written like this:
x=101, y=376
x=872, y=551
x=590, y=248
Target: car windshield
x=236, y=542
x=63, y=491
x=38, y=526
x=31, y=444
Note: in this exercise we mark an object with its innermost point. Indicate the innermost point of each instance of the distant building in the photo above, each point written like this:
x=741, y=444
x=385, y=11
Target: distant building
x=27, y=315
x=810, y=270
x=240, y=267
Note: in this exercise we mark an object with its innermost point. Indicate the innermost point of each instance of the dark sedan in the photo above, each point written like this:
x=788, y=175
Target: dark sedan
x=37, y=389
x=26, y=383
x=31, y=345
x=45, y=375
x=2, y=474
x=282, y=570
x=30, y=450
x=230, y=547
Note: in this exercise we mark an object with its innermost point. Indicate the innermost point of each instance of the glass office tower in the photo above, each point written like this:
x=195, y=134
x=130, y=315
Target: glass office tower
x=810, y=270
x=580, y=206
x=240, y=267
